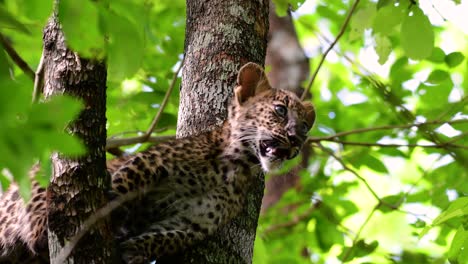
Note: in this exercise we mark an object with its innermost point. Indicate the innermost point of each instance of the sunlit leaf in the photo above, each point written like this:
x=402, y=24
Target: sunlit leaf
x=391, y=203
x=387, y=18
x=383, y=47
x=459, y=246
x=373, y=163
x=417, y=35
x=361, y=20
x=360, y=249
x=457, y=208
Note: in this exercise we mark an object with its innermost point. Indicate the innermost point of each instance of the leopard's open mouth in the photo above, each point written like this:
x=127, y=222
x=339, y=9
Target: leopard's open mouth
x=276, y=150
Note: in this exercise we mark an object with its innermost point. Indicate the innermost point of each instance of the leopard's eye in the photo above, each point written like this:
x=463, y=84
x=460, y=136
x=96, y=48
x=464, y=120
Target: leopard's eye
x=281, y=110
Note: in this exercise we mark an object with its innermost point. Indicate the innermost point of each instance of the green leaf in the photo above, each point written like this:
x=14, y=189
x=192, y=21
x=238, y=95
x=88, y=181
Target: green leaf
x=400, y=70
x=417, y=35
x=7, y=20
x=124, y=36
x=387, y=18
x=435, y=90
x=282, y=6
x=361, y=20
x=438, y=55
x=80, y=24
x=55, y=113
x=383, y=47
x=328, y=234
x=360, y=249
x=38, y=10
x=260, y=252
x=391, y=202
x=454, y=59
x=437, y=77
x=4, y=66
x=459, y=247
x=373, y=163
x=419, y=224
x=382, y=3
x=456, y=208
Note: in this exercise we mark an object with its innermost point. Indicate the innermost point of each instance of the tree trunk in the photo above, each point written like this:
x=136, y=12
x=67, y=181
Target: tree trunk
x=78, y=184
x=221, y=36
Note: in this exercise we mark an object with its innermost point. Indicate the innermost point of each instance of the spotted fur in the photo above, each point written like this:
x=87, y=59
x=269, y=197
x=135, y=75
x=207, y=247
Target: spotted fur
x=187, y=188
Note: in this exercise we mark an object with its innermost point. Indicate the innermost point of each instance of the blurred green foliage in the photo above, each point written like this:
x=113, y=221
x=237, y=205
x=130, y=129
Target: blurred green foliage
x=375, y=195
x=361, y=200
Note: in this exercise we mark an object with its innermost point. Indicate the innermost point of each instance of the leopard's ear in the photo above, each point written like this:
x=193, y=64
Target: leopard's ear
x=251, y=80
x=310, y=113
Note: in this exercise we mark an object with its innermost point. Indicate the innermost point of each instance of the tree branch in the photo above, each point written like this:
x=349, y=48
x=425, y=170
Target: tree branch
x=16, y=57
x=387, y=127
x=113, y=143
x=91, y=221
x=356, y=238
x=369, y=144
x=38, y=80
x=295, y=220
x=345, y=167
x=322, y=60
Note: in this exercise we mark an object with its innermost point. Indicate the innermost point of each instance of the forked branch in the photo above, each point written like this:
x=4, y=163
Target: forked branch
x=117, y=142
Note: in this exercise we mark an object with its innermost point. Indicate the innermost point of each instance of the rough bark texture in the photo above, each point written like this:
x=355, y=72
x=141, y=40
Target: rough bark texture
x=221, y=36
x=78, y=184
x=289, y=68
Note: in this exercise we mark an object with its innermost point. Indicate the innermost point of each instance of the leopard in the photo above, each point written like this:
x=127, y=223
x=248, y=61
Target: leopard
x=186, y=188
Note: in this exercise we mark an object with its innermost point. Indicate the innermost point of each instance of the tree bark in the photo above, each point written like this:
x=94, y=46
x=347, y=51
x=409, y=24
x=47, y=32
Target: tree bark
x=221, y=36
x=78, y=184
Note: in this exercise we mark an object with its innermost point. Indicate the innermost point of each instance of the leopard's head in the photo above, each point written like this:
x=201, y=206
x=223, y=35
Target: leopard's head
x=273, y=123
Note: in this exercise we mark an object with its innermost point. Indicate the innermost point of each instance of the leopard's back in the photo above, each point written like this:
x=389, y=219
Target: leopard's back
x=186, y=188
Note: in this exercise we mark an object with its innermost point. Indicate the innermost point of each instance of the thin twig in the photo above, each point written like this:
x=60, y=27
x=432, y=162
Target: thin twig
x=23, y=65
x=322, y=60
x=119, y=142
x=345, y=167
x=456, y=138
x=38, y=80
x=356, y=238
x=136, y=132
x=294, y=221
x=387, y=127
x=454, y=107
x=91, y=221
x=404, y=113
x=113, y=143
x=370, y=144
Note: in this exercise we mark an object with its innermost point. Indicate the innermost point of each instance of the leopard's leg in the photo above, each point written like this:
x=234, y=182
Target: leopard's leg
x=196, y=219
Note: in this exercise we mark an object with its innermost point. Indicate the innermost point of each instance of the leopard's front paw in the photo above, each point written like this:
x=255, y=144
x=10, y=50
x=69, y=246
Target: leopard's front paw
x=132, y=254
